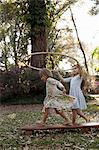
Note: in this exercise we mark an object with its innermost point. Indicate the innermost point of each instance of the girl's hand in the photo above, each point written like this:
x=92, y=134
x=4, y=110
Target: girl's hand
x=64, y=91
x=56, y=72
x=43, y=110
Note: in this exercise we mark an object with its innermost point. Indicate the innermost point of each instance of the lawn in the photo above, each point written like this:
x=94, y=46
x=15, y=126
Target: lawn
x=12, y=138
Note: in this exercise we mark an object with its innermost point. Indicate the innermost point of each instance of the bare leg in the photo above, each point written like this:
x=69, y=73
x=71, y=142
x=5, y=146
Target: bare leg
x=45, y=116
x=80, y=113
x=74, y=116
x=61, y=113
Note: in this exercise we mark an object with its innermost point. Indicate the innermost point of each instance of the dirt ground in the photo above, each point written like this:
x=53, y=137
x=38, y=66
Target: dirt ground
x=6, y=109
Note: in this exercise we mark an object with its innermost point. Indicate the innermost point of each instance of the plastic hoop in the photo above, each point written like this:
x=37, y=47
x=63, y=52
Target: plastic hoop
x=40, y=53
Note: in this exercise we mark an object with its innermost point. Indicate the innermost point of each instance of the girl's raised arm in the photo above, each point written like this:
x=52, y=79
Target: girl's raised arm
x=68, y=79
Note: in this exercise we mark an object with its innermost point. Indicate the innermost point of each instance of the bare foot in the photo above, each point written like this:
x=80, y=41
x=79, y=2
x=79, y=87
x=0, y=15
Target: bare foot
x=76, y=124
x=88, y=120
x=67, y=123
x=40, y=123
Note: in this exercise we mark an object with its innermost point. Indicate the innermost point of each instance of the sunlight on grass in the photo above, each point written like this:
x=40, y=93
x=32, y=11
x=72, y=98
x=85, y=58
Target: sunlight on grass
x=93, y=108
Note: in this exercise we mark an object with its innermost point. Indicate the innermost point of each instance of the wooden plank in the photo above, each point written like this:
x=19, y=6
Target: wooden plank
x=37, y=127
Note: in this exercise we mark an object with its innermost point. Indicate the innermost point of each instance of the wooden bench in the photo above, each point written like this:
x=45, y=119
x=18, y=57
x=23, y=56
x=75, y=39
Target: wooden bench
x=29, y=129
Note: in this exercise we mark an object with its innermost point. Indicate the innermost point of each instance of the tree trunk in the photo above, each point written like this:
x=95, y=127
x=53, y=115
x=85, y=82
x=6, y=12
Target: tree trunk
x=39, y=44
x=5, y=55
x=14, y=47
x=37, y=9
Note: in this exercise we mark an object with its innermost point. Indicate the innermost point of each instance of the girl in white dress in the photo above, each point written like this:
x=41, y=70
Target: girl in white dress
x=75, y=90
x=55, y=98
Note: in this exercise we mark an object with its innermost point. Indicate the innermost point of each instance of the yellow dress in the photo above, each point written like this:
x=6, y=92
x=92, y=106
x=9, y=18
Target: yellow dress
x=55, y=97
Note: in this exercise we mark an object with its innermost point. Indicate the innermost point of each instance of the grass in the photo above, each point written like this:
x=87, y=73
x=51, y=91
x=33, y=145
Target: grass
x=92, y=108
x=11, y=137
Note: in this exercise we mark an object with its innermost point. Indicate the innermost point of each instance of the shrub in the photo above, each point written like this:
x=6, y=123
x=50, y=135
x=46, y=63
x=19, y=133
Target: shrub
x=19, y=82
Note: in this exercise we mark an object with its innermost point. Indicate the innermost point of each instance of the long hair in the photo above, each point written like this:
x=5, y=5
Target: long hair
x=85, y=78
x=45, y=72
x=79, y=68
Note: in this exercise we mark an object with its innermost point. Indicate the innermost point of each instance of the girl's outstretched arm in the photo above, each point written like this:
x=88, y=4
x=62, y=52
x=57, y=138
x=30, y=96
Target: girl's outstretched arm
x=59, y=76
x=63, y=80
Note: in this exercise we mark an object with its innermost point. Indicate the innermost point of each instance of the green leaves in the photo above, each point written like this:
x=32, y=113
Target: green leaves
x=95, y=57
x=95, y=53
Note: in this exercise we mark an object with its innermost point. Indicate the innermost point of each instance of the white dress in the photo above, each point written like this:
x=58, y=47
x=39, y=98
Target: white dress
x=55, y=97
x=75, y=90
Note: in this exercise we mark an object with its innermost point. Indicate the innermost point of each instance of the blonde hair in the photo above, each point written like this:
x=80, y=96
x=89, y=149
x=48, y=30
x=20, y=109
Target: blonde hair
x=81, y=71
x=85, y=78
x=45, y=72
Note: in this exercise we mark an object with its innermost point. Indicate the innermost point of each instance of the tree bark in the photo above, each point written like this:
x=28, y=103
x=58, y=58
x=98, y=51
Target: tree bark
x=14, y=47
x=5, y=55
x=37, y=9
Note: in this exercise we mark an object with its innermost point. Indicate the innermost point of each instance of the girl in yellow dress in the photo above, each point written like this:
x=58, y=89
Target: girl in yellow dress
x=56, y=97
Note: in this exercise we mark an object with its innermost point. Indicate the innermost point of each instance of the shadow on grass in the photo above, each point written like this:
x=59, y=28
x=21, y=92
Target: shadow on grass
x=35, y=99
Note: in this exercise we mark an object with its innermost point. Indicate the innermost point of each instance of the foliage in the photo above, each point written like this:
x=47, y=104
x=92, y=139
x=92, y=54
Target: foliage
x=19, y=82
x=17, y=17
x=55, y=36
x=95, y=9
x=16, y=20
x=14, y=32
x=95, y=57
x=96, y=53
